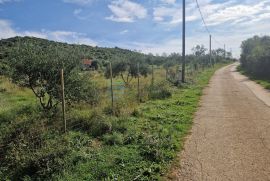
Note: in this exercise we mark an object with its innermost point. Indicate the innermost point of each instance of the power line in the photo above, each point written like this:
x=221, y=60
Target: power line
x=204, y=23
x=198, y=6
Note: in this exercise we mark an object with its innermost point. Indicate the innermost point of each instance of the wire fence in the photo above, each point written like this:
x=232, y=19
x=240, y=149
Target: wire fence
x=31, y=136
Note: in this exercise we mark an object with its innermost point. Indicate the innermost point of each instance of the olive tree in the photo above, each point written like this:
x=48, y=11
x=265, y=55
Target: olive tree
x=127, y=68
x=37, y=66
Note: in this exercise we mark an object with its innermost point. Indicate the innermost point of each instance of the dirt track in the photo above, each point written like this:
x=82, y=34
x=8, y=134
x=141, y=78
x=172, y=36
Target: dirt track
x=230, y=139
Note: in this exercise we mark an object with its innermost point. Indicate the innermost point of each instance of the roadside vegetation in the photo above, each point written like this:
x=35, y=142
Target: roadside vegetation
x=255, y=60
x=134, y=140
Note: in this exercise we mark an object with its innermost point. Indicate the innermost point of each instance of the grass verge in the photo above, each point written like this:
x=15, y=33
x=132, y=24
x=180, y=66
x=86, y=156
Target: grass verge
x=137, y=147
x=263, y=82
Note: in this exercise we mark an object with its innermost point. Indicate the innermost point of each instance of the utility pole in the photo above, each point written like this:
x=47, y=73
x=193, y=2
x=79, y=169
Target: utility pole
x=210, y=49
x=184, y=42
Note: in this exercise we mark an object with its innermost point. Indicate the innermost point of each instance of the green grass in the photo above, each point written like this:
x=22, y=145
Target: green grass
x=151, y=141
x=263, y=82
x=141, y=146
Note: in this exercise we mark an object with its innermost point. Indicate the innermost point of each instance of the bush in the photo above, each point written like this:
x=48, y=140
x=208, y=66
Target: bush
x=120, y=125
x=136, y=113
x=158, y=148
x=100, y=125
x=81, y=89
x=22, y=160
x=2, y=90
x=255, y=57
x=116, y=111
x=160, y=90
x=95, y=124
x=113, y=139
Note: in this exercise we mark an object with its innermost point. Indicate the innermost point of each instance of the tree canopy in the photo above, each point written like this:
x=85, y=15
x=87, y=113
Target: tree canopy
x=255, y=56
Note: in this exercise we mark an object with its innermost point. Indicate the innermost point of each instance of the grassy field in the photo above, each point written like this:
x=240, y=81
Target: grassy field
x=138, y=144
x=265, y=83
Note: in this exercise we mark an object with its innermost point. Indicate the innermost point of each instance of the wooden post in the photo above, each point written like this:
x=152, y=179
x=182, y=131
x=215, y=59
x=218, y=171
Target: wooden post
x=111, y=76
x=63, y=100
x=138, y=86
x=210, y=51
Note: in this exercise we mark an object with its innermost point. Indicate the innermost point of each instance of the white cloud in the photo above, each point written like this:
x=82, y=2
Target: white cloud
x=77, y=11
x=126, y=11
x=79, y=2
x=6, y=31
x=171, y=15
x=70, y=37
x=124, y=32
x=169, y=1
x=234, y=13
x=6, y=1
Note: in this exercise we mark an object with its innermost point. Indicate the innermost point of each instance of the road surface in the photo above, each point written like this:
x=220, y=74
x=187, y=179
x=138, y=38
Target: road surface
x=230, y=138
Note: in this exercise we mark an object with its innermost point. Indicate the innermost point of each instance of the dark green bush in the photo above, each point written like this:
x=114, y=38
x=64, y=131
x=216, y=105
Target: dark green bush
x=120, y=125
x=158, y=148
x=255, y=56
x=95, y=124
x=2, y=90
x=160, y=90
x=116, y=110
x=100, y=125
x=82, y=89
x=113, y=139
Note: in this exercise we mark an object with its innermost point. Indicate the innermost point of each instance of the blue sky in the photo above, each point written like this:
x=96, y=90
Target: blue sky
x=146, y=25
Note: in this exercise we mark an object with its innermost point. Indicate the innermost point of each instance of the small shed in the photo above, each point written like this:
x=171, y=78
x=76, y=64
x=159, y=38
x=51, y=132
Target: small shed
x=87, y=64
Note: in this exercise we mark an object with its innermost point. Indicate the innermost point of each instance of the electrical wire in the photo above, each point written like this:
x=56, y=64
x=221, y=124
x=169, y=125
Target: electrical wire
x=204, y=23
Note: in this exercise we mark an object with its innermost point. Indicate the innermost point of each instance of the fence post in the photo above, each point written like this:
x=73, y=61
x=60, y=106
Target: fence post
x=63, y=100
x=138, y=86
x=111, y=76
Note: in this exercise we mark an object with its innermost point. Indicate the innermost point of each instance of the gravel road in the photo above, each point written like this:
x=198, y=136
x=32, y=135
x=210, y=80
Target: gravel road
x=230, y=138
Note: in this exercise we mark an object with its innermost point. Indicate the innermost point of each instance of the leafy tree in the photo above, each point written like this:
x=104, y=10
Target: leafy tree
x=127, y=69
x=37, y=65
x=199, y=50
x=255, y=56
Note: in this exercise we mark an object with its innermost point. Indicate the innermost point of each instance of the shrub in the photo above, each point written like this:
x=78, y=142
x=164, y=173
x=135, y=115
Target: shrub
x=22, y=160
x=2, y=90
x=136, y=113
x=160, y=90
x=120, y=125
x=158, y=148
x=95, y=124
x=116, y=111
x=81, y=89
x=255, y=56
x=100, y=125
x=113, y=139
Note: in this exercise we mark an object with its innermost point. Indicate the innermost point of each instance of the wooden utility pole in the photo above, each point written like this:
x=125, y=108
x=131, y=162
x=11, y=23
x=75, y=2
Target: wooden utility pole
x=210, y=50
x=111, y=76
x=184, y=42
x=63, y=100
x=138, y=86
